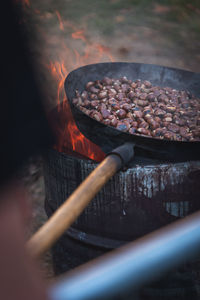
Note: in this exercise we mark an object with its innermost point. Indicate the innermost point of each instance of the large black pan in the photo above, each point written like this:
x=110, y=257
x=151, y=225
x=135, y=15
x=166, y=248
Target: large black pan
x=108, y=137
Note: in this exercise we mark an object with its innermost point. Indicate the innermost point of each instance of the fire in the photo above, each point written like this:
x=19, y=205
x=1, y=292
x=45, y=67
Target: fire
x=60, y=20
x=68, y=135
x=79, y=35
x=69, y=138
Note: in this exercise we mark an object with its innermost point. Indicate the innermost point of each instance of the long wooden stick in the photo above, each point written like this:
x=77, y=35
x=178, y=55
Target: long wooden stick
x=67, y=213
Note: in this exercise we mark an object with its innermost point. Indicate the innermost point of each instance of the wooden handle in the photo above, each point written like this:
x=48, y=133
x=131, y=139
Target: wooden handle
x=67, y=213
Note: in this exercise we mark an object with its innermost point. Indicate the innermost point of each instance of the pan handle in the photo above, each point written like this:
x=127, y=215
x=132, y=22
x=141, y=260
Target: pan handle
x=125, y=152
x=67, y=213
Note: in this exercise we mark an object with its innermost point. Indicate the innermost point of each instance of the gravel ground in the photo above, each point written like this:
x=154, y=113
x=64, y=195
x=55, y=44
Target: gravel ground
x=66, y=34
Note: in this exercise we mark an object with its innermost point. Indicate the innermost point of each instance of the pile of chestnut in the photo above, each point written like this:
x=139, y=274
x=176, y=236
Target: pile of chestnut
x=138, y=107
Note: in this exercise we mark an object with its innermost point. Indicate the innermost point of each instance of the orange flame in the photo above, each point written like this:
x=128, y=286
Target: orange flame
x=79, y=35
x=60, y=20
x=69, y=136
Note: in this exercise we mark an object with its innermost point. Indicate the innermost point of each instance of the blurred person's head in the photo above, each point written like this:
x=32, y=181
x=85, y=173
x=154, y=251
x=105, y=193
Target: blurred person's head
x=23, y=125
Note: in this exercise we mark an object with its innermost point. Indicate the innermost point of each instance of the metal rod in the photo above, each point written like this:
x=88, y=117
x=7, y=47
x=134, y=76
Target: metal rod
x=133, y=265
